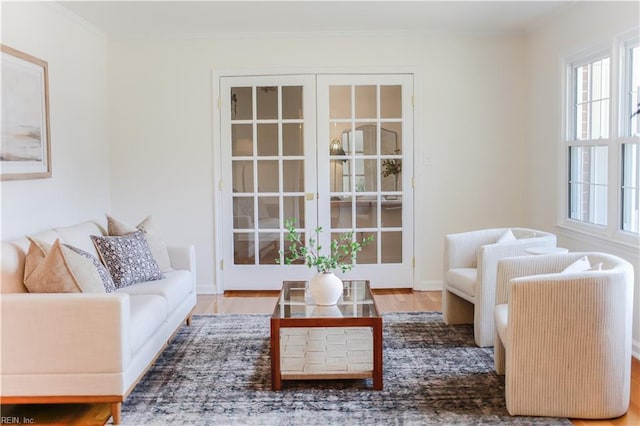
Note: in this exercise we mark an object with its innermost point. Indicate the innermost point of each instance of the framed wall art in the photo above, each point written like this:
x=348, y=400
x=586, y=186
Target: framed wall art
x=25, y=145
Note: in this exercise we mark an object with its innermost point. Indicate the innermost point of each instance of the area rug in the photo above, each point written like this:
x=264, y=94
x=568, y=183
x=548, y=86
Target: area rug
x=217, y=372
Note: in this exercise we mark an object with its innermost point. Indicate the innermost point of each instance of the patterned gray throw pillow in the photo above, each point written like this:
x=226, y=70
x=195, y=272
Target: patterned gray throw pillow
x=107, y=282
x=128, y=258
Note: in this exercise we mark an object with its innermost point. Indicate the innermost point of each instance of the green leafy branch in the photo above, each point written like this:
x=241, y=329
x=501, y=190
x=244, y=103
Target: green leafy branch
x=342, y=254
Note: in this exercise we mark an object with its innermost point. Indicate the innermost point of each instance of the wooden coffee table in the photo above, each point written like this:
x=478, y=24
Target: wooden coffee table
x=310, y=342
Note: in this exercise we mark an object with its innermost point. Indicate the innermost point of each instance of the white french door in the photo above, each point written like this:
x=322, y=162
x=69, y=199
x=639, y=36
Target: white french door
x=328, y=150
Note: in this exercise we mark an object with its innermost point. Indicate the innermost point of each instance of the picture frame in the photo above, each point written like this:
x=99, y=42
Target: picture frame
x=25, y=142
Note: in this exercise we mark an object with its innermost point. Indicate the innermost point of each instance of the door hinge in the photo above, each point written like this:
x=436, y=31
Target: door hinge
x=220, y=185
x=413, y=262
x=413, y=181
x=413, y=101
x=219, y=103
x=222, y=265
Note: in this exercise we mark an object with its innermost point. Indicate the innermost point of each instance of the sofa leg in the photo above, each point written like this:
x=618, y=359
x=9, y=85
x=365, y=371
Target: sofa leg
x=189, y=320
x=116, y=408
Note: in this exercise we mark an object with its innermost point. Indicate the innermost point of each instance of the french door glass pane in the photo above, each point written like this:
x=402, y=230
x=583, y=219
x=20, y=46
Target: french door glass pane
x=391, y=243
x=293, y=170
x=267, y=139
x=391, y=101
x=341, y=209
x=292, y=140
x=242, y=176
x=366, y=102
x=243, y=212
x=267, y=102
x=269, y=248
x=294, y=208
x=241, y=140
x=241, y=103
x=292, y=107
x=268, y=176
x=339, y=102
x=243, y=248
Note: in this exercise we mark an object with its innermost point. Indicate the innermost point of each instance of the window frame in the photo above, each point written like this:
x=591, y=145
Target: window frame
x=570, y=140
x=625, y=45
x=618, y=52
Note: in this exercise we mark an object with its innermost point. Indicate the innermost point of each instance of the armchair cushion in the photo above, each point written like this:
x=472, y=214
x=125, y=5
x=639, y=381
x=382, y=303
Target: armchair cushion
x=463, y=279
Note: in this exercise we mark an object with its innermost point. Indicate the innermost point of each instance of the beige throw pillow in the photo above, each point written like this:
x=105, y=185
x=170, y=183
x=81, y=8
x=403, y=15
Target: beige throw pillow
x=156, y=244
x=35, y=256
x=61, y=270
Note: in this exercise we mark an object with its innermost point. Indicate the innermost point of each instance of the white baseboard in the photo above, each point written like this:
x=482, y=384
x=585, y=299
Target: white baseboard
x=635, y=349
x=206, y=289
x=428, y=285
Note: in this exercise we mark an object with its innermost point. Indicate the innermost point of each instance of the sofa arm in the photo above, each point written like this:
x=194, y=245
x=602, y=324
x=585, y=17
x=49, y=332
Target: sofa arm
x=47, y=333
x=182, y=257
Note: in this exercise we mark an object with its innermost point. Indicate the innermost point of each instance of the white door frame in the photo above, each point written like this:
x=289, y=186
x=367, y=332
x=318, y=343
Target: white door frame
x=217, y=243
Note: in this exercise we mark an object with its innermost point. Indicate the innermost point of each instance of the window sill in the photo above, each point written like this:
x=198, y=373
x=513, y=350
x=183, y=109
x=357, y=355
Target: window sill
x=617, y=243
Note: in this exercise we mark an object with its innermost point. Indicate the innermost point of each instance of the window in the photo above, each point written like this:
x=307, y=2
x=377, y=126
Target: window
x=589, y=141
x=630, y=190
x=603, y=142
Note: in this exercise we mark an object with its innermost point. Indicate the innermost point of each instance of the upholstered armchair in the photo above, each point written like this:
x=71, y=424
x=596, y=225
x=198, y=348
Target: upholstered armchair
x=563, y=339
x=469, y=277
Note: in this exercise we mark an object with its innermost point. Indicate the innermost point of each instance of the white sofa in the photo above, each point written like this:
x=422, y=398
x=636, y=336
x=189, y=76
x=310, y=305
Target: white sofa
x=86, y=347
x=469, y=276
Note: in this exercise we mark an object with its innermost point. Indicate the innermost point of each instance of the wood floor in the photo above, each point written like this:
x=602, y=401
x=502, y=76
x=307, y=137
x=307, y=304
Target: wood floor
x=263, y=302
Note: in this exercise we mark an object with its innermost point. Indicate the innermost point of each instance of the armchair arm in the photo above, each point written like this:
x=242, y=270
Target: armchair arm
x=61, y=333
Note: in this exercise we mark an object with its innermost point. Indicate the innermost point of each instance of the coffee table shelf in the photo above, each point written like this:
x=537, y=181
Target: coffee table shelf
x=310, y=342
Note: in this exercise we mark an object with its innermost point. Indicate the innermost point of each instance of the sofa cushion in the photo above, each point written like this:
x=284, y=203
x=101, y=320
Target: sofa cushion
x=501, y=317
x=128, y=258
x=156, y=243
x=174, y=288
x=80, y=235
x=61, y=270
x=148, y=313
x=463, y=279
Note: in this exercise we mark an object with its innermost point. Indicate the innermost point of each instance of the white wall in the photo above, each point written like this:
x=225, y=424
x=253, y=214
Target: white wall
x=583, y=26
x=77, y=61
x=471, y=123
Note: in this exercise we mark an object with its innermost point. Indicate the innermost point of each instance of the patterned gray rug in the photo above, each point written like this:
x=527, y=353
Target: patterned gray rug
x=217, y=372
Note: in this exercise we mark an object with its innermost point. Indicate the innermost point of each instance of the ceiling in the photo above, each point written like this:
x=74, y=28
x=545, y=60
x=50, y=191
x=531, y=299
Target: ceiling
x=244, y=18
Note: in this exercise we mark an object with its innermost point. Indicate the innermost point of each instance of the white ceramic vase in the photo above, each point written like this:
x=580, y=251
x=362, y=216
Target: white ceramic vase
x=326, y=288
